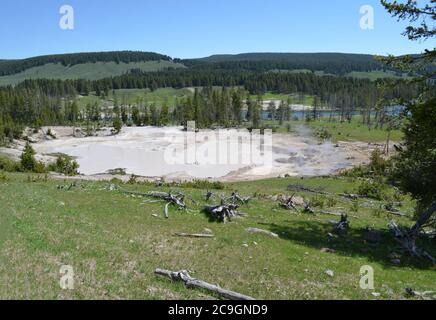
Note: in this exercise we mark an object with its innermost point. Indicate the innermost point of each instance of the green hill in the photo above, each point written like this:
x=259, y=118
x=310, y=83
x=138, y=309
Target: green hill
x=88, y=71
x=90, y=66
x=99, y=65
x=293, y=57
x=325, y=63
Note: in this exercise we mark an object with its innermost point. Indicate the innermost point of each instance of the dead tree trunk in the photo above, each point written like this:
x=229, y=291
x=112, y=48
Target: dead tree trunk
x=170, y=198
x=195, y=283
x=407, y=240
x=422, y=220
x=222, y=211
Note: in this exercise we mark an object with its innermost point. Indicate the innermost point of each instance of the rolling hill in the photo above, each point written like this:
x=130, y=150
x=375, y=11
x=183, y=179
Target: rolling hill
x=332, y=63
x=99, y=65
x=88, y=71
x=89, y=66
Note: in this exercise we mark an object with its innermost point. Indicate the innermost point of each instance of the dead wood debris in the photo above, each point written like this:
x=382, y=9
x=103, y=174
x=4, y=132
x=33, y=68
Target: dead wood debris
x=407, y=241
x=235, y=198
x=426, y=295
x=191, y=282
x=341, y=227
x=194, y=235
x=263, y=232
x=288, y=204
x=176, y=199
x=228, y=208
x=223, y=212
x=392, y=210
x=301, y=188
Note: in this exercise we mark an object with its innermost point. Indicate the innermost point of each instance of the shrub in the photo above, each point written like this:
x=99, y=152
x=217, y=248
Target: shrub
x=118, y=124
x=317, y=202
x=203, y=184
x=37, y=178
x=331, y=202
x=3, y=177
x=132, y=179
x=372, y=189
x=324, y=134
x=9, y=165
x=378, y=165
x=65, y=165
x=28, y=161
x=355, y=206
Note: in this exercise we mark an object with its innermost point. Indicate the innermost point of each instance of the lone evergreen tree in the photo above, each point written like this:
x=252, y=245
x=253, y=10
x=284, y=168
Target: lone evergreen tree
x=28, y=161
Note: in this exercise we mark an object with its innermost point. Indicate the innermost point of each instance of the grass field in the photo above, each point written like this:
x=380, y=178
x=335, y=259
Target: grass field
x=169, y=95
x=354, y=131
x=294, y=99
x=339, y=131
x=89, y=71
x=374, y=75
x=138, y=96
x=114, y=242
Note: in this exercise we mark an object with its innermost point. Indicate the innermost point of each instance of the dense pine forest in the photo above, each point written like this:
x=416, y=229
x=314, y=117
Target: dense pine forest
x=331, y=63
x=8, y=67
x=41, y=102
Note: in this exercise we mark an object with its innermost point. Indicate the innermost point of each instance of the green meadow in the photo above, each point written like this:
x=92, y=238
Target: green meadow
x=115, y=241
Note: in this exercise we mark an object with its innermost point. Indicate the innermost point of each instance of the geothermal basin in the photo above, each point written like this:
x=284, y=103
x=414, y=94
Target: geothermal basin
x=172, y=153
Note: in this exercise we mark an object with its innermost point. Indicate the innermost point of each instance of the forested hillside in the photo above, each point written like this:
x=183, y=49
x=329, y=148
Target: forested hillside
x=8, y=67
x=99, y=65
x=332, y=63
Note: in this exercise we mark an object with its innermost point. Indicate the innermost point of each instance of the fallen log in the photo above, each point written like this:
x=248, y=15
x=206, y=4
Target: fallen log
x=235, y=198
x=288, y=204
x=426, y=295
x=194, y=235
x=407, y=240
x=350, y=196
x=394, y=211
x=398, y=214
x=263, y=232
x=341, y=227
x=223, y=211
x=308, y=209
x=190, y=282
x=175, y=199
x=301, y=188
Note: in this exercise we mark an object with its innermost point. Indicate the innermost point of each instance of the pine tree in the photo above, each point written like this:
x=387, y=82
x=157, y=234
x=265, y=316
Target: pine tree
x=164, y=115
x=28, y=161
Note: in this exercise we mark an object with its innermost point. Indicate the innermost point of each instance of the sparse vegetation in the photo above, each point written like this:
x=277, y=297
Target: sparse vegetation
x=64, y=165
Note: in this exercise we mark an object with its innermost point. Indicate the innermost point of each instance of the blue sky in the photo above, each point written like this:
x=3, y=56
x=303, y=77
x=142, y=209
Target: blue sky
x=197, y=28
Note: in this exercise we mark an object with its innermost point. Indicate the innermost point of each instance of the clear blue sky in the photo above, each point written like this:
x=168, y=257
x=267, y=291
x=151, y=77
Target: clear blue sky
x=197, y=28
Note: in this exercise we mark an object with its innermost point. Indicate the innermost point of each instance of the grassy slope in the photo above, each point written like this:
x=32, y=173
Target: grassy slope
x=90, y=71
x=138, y=96
x=354, y=131
x=374, y=75
x=114, y=243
